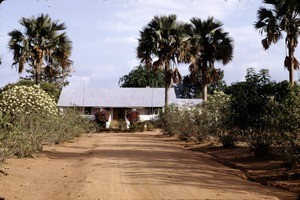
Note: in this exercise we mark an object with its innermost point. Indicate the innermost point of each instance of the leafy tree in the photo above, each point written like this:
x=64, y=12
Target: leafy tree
x=208, y=43
x=42, y=46
x=161, y=38
x=191, y=87
x=249, y=105
x=266, y=113
x=56, y=75
x=142, y=77
x=281, y=17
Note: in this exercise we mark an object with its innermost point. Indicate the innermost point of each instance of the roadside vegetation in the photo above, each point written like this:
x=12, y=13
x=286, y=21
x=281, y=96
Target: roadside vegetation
x=260, y=113
x=30, y=119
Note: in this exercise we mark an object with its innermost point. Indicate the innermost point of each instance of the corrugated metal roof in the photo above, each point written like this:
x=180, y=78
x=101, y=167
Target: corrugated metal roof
x=115, y=97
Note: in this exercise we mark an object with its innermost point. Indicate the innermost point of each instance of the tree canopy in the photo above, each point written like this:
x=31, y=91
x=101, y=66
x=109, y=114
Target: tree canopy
x=281, y=17
x=43, y=46
x=208, y=43
x=142, y=77
x=161, y=39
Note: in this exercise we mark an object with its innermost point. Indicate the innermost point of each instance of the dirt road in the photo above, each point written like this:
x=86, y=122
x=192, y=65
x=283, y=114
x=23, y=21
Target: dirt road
x=125, y=166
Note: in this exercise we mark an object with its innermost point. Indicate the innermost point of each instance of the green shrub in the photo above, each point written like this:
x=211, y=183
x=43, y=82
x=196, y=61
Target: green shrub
x=197, y=122
x=228, y=140
x=28, y=134
x=286, y=120
x=151, y=125
x=169, y=120
x=189, y=124
x=266, y=113
x=29, y=118
x=51, y=89
x=122, y=125
x=248, y=110
x=137, y=126
x=23, y=100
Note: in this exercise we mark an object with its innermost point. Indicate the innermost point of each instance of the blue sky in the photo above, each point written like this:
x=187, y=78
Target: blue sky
x=104, y=35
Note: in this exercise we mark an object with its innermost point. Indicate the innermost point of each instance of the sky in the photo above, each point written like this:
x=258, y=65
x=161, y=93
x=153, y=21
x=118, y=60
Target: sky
x=104, y=35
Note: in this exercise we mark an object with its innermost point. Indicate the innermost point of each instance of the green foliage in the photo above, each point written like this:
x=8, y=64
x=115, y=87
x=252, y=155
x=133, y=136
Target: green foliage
x=266, y=113
x=197, y=122
x=191, y=87
x=24, y=100
x=262, y=113
x=122, y=125
x=209, y=43
x=29, y=118
x=44, y=47
x=141, y=77
x=28, y=135
x=250, y=110
x=162, y=39
x=278, y=20
x=69, y=124
x=170, y=120
x=285, y=119
x=137, y=126
x=50, y=88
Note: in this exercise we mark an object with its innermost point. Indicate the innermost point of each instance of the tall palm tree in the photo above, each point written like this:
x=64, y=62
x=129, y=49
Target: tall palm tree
x=281, y=17
x=208, y=43
x=42, y=45
x=161, y=39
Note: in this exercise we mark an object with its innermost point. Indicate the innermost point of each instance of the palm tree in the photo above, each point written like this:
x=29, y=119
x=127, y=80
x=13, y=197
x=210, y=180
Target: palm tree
x=41, y=45
x=281, y=17
x=161, y=39
x=208, y=43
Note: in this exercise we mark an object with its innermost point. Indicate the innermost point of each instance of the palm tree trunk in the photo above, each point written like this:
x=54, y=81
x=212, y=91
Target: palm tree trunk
x=204, y=92
x=37, y=78
x=37, y=74
x=166, y=85
x=291, y=67
x=204, y=81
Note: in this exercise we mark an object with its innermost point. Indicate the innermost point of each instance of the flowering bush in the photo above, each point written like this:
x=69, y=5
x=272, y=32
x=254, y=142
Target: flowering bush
x=102, y=116
x=20, y=100
x=133, y=116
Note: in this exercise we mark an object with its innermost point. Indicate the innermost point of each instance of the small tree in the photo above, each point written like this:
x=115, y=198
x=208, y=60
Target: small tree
x=266, y=113
x=142, y=77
